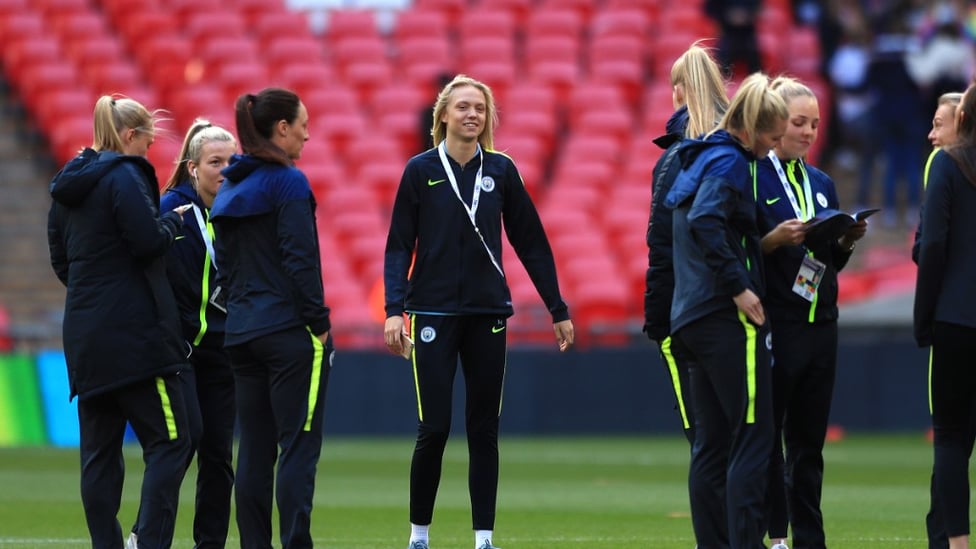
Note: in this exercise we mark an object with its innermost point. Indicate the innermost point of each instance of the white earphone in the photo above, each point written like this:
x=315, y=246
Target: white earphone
x=194, y=173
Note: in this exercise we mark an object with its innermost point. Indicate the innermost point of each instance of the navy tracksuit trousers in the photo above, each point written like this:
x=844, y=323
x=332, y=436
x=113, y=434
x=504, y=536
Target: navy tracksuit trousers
x=156, y=409
x=730, y=386
x=480, y=343
x=280, y=381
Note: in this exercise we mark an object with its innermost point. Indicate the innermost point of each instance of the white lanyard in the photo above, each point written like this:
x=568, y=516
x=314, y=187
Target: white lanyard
x=788, y=188
x=475, y=196
x=205, y=233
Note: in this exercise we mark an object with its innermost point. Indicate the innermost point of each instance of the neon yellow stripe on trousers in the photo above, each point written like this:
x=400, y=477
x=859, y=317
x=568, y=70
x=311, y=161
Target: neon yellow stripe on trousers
x=931, y=351
x=313, y=385
x=750, y=366
x=675, y=380
x=167, y=408
x=413, y=361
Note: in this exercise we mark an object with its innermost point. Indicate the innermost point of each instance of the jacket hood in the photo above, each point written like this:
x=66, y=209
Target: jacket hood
x=675, y=128
x=690, y=177
x=186, y=191
x=241, y=166
x=78, y=177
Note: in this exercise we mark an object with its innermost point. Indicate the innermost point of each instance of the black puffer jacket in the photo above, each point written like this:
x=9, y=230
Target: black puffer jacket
x=107, y=242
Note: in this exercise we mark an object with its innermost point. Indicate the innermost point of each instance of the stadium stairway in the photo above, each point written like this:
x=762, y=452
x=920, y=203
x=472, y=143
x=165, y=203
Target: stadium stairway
x=29, y=291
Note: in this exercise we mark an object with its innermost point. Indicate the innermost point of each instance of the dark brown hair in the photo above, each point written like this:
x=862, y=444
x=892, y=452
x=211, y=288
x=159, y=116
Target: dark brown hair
x=256, y=116
x=963, y=151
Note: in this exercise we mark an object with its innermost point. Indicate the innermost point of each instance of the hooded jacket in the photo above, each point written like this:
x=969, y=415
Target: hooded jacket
x=717, y=254
x=107, y=242
x=191, y=272
x=453, y=273
x=267, y=248
x=659, y=281
x=783, y=264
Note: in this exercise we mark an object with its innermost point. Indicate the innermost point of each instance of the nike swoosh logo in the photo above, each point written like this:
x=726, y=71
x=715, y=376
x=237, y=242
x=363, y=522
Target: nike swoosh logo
x=180, y=237
x=771, y=201
x=497, y=329
x=431, y=183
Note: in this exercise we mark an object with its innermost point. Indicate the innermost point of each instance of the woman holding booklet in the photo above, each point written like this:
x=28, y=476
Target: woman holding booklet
x=804, y=248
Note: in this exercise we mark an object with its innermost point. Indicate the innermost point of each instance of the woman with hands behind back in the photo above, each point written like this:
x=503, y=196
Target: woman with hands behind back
x=277, y=331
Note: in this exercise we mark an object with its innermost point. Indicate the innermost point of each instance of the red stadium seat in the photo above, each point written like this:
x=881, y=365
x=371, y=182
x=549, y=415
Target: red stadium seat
x=488, y=20
x=50, y=8
x=254, y=10
x=474, y=49
x=148, y=27
x=323, y=173
x=617, y=124
x=520, y=9
x=21, y=25
x=424, y=59
x=632, y=22
x=69, y=136
x=219, y=50
x=202, y=99
x=245, y=76
x=303, y=77
x=450, y=8
x=96, y=50
x=419, y=23
x=592, y=147
x=560, y=76
x=584, y=8
x=560, y=49
x=288, y=50
x=88, y=24
x=359, y=49
x=201, y=28
x=366, y=77
x=552, y=21
x=348, y=24
x=591, y=96
x=113, y=77
x=58, y=104
x=42, y=77
x=382, y=178
x=27, y=52
x=272, y=26
x=328, y=100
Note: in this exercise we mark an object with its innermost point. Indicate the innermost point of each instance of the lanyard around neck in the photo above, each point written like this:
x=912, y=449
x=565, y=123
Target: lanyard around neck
x=475, y=196
x=205, y=233
x=788, y=189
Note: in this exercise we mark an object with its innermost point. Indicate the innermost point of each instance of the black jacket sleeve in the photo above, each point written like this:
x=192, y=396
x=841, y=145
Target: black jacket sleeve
x=147, y=233
x=55, y=243
x=528, y=238
x=933, y=251
x=400, y=243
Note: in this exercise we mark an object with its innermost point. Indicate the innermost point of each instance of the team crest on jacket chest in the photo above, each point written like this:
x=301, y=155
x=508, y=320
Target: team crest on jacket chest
x=488, y=184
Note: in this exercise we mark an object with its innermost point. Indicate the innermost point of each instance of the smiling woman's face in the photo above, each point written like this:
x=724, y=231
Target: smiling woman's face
x=801, y=129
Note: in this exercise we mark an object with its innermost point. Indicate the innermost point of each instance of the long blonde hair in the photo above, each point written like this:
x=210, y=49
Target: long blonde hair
x=438, y=129
x=112, y=115
x=705, y=92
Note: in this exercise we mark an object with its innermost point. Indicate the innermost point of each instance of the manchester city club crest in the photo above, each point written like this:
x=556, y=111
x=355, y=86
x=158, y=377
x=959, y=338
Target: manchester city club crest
x=822, y=200
x=488, y=184
x=427, y=334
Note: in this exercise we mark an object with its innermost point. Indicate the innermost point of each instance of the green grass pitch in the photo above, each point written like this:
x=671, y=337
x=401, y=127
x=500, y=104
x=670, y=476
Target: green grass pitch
x=613, y=493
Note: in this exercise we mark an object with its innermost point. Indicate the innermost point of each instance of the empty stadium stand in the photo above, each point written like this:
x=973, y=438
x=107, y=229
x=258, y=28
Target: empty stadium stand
x=582, y=87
